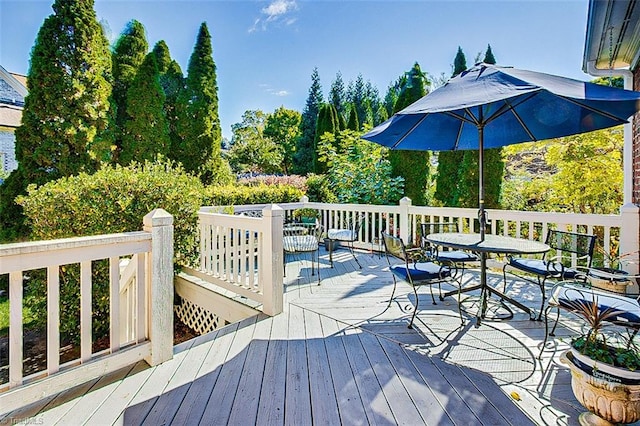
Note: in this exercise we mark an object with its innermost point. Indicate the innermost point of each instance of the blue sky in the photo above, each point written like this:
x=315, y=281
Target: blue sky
x=265, y=51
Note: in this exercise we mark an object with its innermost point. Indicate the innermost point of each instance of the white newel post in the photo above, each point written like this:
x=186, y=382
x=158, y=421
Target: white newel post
x=271, y=271
x=304, y=200
x=160, y=285
x=405, y=203
x=629, y=243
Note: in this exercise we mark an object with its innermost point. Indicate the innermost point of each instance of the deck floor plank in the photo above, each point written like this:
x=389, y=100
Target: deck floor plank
x=340, y=354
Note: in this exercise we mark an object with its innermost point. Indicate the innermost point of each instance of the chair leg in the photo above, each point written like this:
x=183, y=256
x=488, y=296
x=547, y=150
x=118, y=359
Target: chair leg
x=330, y=252
x=431, y=290
x=546, y=329
x=350, y=245
x=553, y=331
x=415, y=310
x=544, y=298
x=317, y=264
x=393, y=292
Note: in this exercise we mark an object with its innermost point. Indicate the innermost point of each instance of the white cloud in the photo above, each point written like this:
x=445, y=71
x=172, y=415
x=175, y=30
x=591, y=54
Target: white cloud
x=280, y=92
x=277, y=12
x=275, y=92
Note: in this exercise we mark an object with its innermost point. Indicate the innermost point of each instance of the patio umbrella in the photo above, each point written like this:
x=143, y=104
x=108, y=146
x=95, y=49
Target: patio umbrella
x=490, y=106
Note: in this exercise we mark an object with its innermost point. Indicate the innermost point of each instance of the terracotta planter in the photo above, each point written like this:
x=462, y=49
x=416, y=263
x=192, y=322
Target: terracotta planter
x=610, y=280
x=603, y=390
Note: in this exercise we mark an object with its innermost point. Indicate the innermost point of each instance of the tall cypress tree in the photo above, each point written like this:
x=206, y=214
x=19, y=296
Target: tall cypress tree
x=198, y=127
x=128, y=53
x=413, y=166
x=146, y=130
x=353, y=123
x=172, y=82
x=60, y=136
x=493, y=170
x=327, y=123
x=337, y=95
x=303, y=158
x=449, y=162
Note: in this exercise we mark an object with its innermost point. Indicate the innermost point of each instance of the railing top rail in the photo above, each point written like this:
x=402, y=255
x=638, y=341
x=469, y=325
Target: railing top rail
x=30, y=247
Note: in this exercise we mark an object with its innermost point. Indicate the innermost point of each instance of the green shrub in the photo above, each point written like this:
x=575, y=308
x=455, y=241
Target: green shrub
x=261, y=194
x=114, y=199
x=319, y=189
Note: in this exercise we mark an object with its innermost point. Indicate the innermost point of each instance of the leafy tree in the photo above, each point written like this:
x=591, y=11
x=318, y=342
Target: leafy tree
x=359, y=172
x=66, y=119
x=128, y=54
x=450, y=162
x=327, y=123
x=198, y=127
x=361, y=95
x=575, y=174
x=146, y=132
x=413, y=166
x=250, y=150
x=283, y=128
x=303, y=158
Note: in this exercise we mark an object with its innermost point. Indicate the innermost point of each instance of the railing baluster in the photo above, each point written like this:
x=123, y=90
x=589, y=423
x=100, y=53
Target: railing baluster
x=15, y=329
x=53, y=319
x=114, y=303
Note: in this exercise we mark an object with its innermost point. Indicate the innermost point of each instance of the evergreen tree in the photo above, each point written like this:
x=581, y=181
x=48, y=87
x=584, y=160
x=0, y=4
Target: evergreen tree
x=66, y=118
x=358, y=97
x=172, y=82
x=128, y=53
x=327, y=123
x=488, y=56
x=146, y=131
x=413, y=166
x=450, y=162
x=353, y=123
x=303, y=158
x=337, y=95
x=199, y=136
x=493, y=170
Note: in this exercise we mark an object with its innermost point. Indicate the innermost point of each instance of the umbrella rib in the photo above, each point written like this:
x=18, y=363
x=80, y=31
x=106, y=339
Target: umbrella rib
x=408, y=132
x=592, y=109
x=462, y=117
x=506, y=107
x=524, y=126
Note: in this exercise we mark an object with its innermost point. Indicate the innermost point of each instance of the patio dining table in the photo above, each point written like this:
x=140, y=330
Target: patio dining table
x=497, y=244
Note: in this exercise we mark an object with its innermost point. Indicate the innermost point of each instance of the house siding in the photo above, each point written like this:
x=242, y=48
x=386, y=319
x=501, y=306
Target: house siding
x=635, y=197
x=7, y=151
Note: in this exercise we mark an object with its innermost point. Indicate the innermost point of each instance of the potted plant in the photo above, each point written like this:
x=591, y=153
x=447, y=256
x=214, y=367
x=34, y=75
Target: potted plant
x=306, y=215
x=605, y=367
x=611, y=276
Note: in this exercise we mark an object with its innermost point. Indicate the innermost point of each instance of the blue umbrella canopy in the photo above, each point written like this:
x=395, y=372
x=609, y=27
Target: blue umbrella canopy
x=509, y=106
x=489, y=106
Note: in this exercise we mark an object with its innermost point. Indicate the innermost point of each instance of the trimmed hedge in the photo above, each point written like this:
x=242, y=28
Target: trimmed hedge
x=260, y=194
x=114, y=199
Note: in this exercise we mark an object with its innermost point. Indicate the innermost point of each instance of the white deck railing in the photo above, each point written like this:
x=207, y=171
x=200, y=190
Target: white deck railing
x=243, y=254
x=403, y=220
x=140, y=305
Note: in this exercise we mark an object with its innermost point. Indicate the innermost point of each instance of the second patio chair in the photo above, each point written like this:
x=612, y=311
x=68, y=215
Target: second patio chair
x=415, y=272
x=349, y=234
x=458, y=257
x=303, y=238
x=566, y=247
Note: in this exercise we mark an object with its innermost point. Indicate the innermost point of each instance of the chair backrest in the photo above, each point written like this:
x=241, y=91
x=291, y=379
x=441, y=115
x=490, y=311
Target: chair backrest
x=393, y=246
x=569, y=243
x=435, y=228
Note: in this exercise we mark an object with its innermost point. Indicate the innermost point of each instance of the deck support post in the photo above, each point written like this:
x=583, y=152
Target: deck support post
x=405, y=203
x=273, y=290
x=159, y=286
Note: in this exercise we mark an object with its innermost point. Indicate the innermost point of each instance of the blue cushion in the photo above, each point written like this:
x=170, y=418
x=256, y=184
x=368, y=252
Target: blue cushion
x=422, y=271
x=341, y=234
x=539, y=267
x=565, y=294
x=456, y=256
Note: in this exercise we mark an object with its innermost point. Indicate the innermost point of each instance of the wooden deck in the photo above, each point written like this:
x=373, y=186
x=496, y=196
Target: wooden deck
x=338, y=355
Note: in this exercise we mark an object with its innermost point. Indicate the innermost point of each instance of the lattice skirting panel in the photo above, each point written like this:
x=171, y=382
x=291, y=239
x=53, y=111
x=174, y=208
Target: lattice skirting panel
x=197, y=318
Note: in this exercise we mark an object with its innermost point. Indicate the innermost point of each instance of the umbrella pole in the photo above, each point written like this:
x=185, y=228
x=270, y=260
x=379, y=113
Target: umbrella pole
x=483, y=221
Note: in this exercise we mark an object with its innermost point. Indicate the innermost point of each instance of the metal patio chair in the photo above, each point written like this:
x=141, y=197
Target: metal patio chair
x=458, y=257
x=415, y=272
x=566, y=246
x=349, y=234
x=303, y=238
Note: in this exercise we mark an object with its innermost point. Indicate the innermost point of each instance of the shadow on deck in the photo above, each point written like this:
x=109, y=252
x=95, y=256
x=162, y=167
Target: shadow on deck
x=340, y=354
